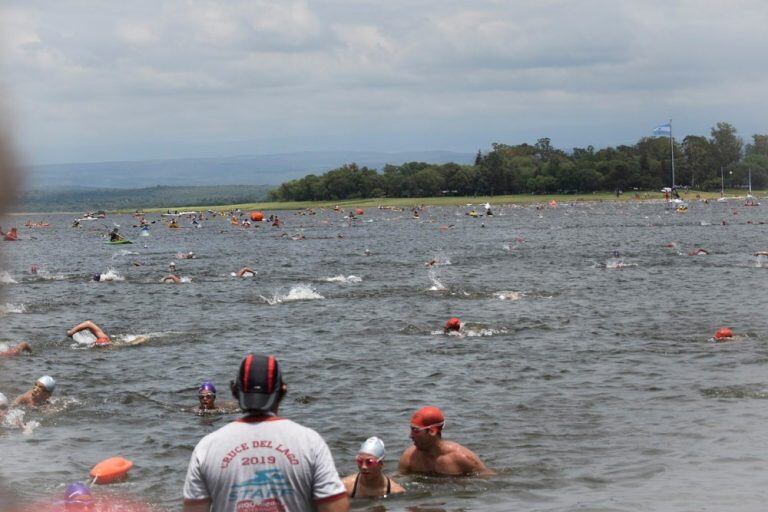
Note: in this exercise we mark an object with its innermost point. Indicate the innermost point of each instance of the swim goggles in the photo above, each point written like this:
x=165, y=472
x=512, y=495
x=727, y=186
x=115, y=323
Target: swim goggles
x=416, y=429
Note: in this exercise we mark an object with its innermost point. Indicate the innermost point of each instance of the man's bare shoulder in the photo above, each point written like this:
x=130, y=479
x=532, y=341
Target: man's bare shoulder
x=406, y=459
x=465, y=458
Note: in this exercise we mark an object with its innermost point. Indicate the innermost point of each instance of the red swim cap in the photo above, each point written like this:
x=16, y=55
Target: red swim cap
x=453, y=324
x=428, y=416
x=723, y=332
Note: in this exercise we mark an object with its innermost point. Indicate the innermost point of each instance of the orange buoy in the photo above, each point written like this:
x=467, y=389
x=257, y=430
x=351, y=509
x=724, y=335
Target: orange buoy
x=453, y=324
x=723, y=333
x=113, y=469
x=257, y=216
x=359, y=211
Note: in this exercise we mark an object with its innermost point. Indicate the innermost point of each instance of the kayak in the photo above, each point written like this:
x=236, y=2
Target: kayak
x=119, y=242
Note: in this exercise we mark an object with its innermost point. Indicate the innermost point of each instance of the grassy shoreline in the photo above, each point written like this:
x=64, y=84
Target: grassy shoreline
x=407, y=202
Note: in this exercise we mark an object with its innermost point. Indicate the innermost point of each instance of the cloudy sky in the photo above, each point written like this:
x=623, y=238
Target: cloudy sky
x=90, y=81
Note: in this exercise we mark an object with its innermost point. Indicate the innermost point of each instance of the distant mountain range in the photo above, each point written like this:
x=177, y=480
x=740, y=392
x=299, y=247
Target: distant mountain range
x=236, y=170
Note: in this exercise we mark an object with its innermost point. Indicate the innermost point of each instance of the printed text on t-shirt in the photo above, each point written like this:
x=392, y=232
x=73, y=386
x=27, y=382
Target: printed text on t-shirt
x=256, y=444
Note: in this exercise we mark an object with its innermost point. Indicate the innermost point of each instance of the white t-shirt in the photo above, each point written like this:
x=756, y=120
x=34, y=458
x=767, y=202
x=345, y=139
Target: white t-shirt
x=265, y=464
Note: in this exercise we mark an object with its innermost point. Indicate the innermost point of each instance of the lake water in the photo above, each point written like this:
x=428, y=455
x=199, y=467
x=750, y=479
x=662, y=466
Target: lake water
x=585, y=386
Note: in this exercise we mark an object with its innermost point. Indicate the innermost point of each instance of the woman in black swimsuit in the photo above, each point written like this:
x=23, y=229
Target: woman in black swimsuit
x=370, y=481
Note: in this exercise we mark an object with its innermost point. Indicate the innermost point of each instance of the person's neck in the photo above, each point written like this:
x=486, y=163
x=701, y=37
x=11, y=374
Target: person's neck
x=373, y=481
x=436, y=449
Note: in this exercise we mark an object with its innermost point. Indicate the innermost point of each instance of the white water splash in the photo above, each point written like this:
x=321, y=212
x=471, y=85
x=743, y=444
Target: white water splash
x=111, y=275
x=123, y=252
x=6, y=278
x=508, y=295
x=12, y=308
x=617, y=263
x=761, y=261
x=298, y=292
x=342, y=279
x=44, y=274
x=437, y=286
x=471, y=333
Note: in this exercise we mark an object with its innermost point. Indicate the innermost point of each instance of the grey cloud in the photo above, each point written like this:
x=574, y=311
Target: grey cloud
x=211, y=70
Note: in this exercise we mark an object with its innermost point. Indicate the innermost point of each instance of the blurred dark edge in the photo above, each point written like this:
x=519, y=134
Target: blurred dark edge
x=9, y=183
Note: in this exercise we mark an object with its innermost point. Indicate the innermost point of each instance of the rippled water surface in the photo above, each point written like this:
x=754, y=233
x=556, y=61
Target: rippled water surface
x=586, y=384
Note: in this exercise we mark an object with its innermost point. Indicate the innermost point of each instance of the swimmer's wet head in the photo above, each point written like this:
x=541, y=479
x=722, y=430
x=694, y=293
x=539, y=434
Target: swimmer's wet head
x=43, y=388
x=4, y=405
x=259, y=387
x=206, y=394
x=78, y=497
x=370, y=457
x=453, y=324
x=427, y=426
x=723, y=334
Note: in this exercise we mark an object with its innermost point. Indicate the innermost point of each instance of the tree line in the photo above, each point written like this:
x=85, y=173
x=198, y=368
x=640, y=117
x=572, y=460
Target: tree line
x=541, y=168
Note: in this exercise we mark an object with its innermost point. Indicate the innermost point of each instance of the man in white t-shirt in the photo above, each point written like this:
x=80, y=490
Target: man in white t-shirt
x=262, y=462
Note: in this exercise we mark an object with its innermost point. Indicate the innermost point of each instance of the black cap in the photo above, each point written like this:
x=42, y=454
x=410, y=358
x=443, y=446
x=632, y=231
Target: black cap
x=258, y=383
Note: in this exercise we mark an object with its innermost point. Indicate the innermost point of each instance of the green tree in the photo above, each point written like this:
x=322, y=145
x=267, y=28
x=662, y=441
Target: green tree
x=726, y=145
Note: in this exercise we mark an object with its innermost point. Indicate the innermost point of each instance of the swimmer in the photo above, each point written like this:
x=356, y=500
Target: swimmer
x=367, y=252
x=370, y=481
x=206, y=394
x=452, y=325
x=18, y=349
x=33, y=269
x=78, y=497
x=172, y=267
x=99, y=277
x=761, y=253
x=723, y=334
x=102, y=340
x=698, y=252
x=171, y=278
x=431, y=263
x=186, y=255
x=431, y=454
x=245, y=272
x=39, y=394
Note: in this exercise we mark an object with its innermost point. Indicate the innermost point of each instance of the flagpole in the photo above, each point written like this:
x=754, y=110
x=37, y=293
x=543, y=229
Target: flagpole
x=672, y=150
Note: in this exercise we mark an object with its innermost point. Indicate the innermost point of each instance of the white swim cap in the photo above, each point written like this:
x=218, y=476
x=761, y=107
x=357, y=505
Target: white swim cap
x=47, y=382
x=3, y=400
x=374, y=446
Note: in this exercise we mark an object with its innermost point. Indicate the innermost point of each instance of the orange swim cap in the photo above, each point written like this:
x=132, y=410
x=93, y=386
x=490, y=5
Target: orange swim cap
x=723, y=333
x=429, y=416
x=453, y=324
x=103, y=340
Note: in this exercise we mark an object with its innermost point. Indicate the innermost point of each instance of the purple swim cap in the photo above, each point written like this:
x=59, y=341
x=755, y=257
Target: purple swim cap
x=206, y=386
x=77, y=491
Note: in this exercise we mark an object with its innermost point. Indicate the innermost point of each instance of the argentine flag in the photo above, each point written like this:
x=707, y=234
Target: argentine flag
x=663, y=129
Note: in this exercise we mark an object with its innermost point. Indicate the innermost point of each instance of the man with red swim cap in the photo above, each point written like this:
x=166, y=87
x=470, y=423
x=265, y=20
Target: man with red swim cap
x=431, y=454
x=453, y=324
